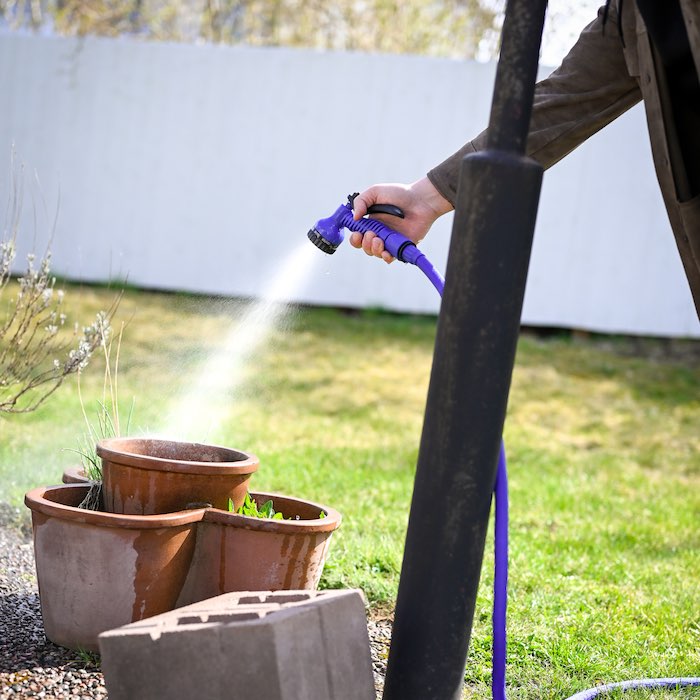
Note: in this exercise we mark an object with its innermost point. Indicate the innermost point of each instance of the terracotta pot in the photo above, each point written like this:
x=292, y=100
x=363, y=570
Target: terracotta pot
x=98, y=570
x=75, y=475
x=145, y=476
x=239, y=553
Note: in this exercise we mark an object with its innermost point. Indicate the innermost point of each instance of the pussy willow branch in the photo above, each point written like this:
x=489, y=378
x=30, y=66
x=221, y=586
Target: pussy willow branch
x=36, y=355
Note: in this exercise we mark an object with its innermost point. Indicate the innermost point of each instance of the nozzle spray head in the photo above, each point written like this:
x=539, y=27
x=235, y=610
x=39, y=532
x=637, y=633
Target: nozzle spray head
x=327, y=234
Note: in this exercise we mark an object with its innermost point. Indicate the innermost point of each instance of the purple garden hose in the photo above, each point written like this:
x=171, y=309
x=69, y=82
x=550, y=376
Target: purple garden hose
x=327, y=235
x=648, y=683
x=500, y=579
x=430, y=272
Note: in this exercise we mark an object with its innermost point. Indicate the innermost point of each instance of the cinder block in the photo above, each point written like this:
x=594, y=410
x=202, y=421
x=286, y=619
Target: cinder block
x=282, y=645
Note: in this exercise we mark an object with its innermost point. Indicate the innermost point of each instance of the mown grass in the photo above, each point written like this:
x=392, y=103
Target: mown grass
x=604, y=466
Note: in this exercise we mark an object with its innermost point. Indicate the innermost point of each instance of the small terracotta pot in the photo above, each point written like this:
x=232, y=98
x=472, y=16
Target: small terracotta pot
x=75, y=475
x=98, y=570
x=145, y=476
x=239, y=553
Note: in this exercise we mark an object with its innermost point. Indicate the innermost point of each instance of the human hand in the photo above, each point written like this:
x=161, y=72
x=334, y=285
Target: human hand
x=421, y=203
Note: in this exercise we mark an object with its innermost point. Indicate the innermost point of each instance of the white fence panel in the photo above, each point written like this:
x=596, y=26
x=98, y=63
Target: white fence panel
x=200, y=168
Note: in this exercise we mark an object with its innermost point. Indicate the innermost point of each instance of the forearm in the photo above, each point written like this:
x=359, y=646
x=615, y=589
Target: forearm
x=591, y=88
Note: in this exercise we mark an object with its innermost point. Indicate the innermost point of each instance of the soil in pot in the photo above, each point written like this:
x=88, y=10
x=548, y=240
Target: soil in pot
x=145, y=476
x=239, y=553
x=98, y=570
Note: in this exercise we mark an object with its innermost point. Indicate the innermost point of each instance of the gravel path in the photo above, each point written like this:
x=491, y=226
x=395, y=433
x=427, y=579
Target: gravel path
x=33, y=667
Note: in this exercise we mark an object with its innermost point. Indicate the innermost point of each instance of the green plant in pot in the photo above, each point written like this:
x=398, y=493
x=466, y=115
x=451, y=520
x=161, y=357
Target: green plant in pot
x=104, y=423
x=147, y=476
x=267, y=510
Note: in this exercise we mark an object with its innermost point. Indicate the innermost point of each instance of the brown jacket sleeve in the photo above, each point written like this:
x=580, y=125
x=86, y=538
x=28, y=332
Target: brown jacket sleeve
x=591, y=88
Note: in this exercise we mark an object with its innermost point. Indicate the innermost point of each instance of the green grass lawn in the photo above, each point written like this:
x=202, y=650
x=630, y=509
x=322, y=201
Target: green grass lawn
x=604, y=465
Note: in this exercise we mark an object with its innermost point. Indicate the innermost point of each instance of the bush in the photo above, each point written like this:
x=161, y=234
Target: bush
x=38, y=346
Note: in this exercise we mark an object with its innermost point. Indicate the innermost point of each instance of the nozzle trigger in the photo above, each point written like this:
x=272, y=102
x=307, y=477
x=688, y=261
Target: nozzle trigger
x=386, y=209
x=391, y=209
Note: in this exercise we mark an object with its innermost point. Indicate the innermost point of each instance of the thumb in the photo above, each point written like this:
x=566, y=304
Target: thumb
x=362, y=203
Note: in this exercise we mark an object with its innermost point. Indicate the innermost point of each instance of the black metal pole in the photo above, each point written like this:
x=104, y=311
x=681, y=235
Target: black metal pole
x=472, y=366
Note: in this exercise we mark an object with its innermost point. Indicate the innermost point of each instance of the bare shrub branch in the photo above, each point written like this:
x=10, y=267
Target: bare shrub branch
x=38, y=346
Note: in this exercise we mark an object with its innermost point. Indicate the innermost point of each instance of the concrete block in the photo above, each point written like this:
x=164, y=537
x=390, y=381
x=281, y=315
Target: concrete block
x=282, y=645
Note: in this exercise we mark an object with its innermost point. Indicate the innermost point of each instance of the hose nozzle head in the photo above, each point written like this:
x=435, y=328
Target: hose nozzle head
x=321, y=243
x=327, y=234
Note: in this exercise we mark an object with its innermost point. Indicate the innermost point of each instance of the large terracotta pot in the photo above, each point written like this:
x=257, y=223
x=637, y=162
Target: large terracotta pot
x=98, y=570
x=145, y=476
x=239, y=553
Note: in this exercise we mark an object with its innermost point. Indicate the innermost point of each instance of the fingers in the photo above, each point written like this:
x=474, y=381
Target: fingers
x=371, y=244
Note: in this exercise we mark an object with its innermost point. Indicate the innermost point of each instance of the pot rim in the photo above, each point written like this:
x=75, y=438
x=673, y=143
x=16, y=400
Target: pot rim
x=37, y=502
x=285, y=527
x=76, y=475
x=116, y=450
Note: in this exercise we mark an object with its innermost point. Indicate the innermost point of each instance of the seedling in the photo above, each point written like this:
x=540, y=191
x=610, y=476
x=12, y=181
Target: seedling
x=250, y=508
x=89, y=659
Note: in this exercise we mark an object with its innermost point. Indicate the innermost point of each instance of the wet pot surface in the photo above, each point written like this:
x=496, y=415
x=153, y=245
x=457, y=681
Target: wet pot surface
x=147, y=476
x=97, y=570
x=239, y=553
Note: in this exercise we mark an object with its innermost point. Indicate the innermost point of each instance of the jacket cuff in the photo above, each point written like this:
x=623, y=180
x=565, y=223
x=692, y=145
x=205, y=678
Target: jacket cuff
x=445, y=177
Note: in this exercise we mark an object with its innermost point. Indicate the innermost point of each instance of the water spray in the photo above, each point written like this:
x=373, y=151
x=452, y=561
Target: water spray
x=327, y=235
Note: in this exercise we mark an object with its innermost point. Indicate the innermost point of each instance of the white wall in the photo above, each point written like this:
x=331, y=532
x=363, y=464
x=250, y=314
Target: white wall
x=201, y=168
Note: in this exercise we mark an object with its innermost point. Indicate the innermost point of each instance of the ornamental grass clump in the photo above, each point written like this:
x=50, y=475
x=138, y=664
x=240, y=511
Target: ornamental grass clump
x=105, y=423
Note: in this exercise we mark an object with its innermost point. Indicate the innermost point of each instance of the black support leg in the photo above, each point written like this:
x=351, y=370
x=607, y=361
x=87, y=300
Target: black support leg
x=474, y=353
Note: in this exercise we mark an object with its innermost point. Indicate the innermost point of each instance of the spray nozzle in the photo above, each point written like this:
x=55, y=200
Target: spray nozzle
x=327, y=234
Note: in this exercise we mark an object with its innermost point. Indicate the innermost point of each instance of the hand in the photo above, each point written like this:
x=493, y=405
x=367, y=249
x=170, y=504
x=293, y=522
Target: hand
x=422, y=205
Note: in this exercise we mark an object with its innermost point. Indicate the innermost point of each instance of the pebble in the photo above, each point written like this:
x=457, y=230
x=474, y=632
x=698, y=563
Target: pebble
x=33, y=667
